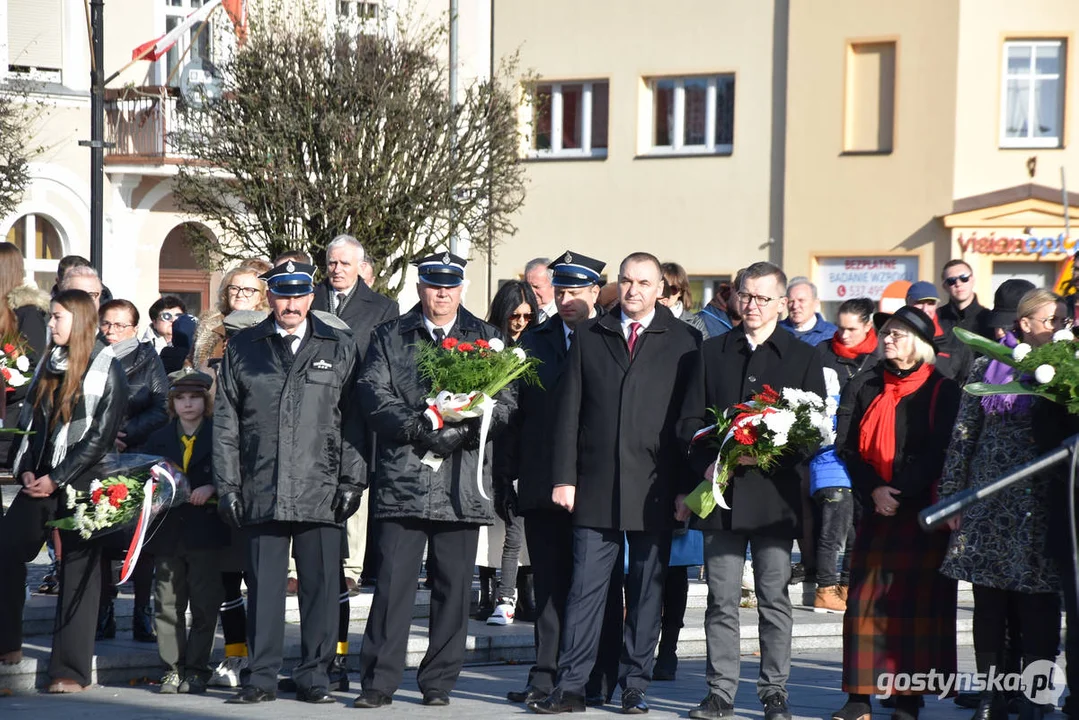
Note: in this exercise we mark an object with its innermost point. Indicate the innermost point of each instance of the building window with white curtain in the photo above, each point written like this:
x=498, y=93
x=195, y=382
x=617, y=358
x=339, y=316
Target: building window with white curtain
x=1032, y=97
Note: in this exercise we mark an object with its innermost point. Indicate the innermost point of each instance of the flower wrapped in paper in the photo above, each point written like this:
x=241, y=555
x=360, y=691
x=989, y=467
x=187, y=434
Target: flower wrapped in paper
x=129, y=493
x=15, y=360
x=765, y=428
x=464, y=378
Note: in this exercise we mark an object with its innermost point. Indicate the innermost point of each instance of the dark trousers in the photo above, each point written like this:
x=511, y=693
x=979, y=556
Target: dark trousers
x=1037, y=616
x=675, y=597
x=511, y=556
x=233, y=615
x=835, y=513
x=187, y=578
x=595, y=552
x=317, y=549
x=451, y=555
x=549, y=534
x=605, y=671
x=22, y=533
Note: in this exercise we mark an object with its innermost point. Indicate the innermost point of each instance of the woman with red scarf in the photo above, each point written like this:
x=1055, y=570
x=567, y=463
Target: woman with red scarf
x=852, y=350
x=894, y=425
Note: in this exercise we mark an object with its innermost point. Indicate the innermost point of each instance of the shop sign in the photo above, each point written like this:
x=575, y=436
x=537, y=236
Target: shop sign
x=992, y=244
x=842, y=278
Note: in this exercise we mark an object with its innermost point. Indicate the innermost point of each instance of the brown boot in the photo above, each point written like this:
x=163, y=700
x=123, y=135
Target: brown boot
x=829, y=601
x=842, y=590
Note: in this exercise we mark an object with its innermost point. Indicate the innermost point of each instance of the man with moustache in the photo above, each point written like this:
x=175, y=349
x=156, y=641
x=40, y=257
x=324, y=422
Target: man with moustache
x=524, y=456
x=288, y=465
x=616, y=464
x=425, y=491
x=766, y=507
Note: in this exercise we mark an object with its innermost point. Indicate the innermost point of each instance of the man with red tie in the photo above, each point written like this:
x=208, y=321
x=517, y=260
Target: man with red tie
x=616, y=462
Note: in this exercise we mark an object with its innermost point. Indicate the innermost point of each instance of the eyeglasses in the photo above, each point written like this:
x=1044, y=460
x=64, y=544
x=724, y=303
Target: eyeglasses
x=758, y=300
x=106, y=326
x=956, y=279
x=895, y=335
x=1054, y=322
x=238, y=291
x=521, y=316
x=167, y=316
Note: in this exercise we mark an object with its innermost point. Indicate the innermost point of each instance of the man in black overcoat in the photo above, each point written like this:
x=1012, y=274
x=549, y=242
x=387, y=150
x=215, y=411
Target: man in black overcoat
x=766, y=507
x=425, y=492
x=288, y=465
x=616, y=465
x=525, y=455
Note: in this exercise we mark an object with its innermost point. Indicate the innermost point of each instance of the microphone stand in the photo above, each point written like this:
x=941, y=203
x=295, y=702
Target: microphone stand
x=944, y=510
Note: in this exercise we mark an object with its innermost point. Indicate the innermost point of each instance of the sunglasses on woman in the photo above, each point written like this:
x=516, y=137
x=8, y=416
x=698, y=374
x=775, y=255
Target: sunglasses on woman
x=521, y=316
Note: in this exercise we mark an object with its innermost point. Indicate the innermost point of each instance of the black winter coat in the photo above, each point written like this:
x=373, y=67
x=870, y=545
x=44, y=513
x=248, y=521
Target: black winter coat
x=393, y=395
x=846, y=368
x=974, y=318
x=524, y=453
x=921, y=436
x=198, y=528
x=148, y=404
x=78, y=466
x=615, y=436
x=727, y=372
x=363, y=312
x=287, y=430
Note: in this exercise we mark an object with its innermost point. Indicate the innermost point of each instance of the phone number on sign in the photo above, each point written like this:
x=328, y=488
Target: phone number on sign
x=867, y=290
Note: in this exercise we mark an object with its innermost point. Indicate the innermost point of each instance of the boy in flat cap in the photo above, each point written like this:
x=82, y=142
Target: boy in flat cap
x=187, y=543
x=419, y=505
x=288, y=465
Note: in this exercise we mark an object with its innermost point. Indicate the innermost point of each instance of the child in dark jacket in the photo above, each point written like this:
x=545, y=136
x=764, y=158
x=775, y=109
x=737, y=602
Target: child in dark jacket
x=188, y=541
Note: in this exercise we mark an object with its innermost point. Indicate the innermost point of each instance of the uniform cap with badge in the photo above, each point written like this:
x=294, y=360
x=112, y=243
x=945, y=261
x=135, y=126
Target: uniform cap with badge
x=442, y=269
x=574, y=270
x=189, y=380
x=293, y=279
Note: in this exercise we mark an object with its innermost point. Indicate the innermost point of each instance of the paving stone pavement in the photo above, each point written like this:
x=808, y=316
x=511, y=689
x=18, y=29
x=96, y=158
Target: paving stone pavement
x=480, y=693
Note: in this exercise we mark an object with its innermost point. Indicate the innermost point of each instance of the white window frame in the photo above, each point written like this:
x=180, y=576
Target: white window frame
x=556, y=150
x=31, y=263
x=170, y=11
x=679, y=147
x=1030, y=141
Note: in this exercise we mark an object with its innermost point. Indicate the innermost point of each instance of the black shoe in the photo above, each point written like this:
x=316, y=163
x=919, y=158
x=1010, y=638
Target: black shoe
x=317, y=695
x=193, y=685
x=106, y=622
x=249, y=695
x=49, y=585
x=596, y=700
x=558, y=702
x=853, y=711
x=798, y=573
x=528, y=695
x=142, y=624
x=436, y=698
x=991, y=706
x=372, y=699
x=338, y=673
x=666, y=666
x=775, y=708
x=712, y=707
x=633, y=702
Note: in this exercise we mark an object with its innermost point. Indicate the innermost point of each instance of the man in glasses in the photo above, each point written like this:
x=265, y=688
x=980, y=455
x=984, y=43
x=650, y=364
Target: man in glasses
x=164, y=310
x=962, y=309
x=85, y=278
x=766, y=506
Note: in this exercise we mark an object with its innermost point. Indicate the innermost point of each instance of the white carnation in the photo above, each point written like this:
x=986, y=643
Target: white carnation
x=521, y=355
x=780, y=423
x=1045, y=374
x=69, y=494
x=779, y=439
x=23, y=363
x=496, y=344
x=1065, y=335
x=1020, y=351
x=95, y=485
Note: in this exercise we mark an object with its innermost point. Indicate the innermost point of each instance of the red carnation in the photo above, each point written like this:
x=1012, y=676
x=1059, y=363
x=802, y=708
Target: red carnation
x=9, y=348
x=95, y=496
x=115, y=502
x=449, y=343
x=745, y=434
x=482, y=343
x=118, y=492
x=466, y=347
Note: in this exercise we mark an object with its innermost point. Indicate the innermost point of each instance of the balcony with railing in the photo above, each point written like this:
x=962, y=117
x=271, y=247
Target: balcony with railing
x=139, y=125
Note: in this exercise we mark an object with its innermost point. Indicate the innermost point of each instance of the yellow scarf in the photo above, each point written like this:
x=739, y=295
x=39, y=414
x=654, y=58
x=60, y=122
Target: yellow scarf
x=188, y=442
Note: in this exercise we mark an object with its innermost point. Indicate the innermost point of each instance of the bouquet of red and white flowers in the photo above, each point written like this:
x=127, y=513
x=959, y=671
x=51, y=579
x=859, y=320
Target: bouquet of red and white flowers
x=132, y=491
x=766, y=427
x=14, y=362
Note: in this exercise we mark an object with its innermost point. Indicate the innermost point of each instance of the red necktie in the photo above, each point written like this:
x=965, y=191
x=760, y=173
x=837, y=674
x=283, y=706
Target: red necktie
x=634, y=335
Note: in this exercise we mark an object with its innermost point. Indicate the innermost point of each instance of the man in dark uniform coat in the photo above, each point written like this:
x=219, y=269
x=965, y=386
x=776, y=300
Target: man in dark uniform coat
x=616, y=464
x=766, y=507
x=288, y=464
x=525, y=455
x=425, y=491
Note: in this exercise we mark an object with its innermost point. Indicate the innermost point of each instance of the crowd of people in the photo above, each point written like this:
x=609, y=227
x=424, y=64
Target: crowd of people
x=299, y=416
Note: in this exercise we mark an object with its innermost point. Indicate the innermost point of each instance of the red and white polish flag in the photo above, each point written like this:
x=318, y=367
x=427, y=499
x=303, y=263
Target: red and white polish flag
x=155, y=49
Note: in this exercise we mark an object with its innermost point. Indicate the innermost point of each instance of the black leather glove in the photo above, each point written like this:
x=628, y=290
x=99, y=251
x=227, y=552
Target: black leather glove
x=346, y=501
x=505, y=501
x=447, y=440
x=231, y=509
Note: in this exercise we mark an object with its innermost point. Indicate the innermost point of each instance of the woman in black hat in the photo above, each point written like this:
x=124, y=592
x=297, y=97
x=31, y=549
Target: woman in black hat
x=894, y=425
x=1000, y=543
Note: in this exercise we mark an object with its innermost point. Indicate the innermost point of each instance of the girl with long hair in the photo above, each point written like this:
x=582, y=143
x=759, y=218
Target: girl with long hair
x=76, y=402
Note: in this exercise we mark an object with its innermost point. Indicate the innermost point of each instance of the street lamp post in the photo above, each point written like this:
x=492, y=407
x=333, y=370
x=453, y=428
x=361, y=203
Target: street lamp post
x=97, y=131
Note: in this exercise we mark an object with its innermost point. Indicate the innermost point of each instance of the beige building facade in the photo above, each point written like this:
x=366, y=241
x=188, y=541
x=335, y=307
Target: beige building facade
x=927, y=131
